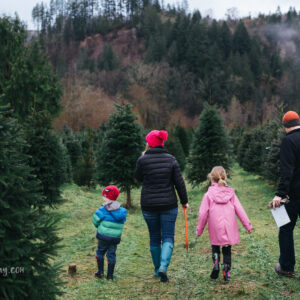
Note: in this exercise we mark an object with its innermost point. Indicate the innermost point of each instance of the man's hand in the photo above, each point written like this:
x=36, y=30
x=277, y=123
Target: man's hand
x=276, y=202
x=185, y=205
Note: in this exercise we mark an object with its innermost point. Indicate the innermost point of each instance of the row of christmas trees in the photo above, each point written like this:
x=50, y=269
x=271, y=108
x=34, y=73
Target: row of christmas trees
x=109, y=154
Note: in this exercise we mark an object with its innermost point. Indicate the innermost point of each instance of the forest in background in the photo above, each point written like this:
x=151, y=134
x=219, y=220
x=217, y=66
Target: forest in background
x=168, y=62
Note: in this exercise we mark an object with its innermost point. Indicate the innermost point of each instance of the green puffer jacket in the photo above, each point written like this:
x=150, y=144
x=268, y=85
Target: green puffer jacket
x=109, y=220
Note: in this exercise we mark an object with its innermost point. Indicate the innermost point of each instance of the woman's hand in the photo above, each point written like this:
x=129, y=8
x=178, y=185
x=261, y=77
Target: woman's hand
x=185, y=205
x=249, y=231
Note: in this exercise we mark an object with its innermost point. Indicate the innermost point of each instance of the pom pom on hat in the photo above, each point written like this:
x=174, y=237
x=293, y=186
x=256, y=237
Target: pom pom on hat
x=290, y=119
x=111, y=192
x=156, y=138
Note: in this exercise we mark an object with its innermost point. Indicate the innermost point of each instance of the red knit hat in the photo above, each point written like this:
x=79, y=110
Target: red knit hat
x=290, y=119
x=156, y=138
x=111, y=192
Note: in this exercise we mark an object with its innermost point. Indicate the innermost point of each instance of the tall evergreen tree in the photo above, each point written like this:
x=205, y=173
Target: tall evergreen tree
x=210, y=146
x=241, y=41
x=27, y=235
x=45, y=152
x=119, y=151
x=31, y=84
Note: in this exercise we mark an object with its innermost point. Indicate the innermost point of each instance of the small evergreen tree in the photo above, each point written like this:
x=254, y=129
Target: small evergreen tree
x=174, y=147
x=27, y=235
x=85, y=165
x=121, y=146
x=209, y=147
x=109, y=60
x=184, y=135
x=242, y=148
x=272, y=162
x=73, y=144
x=253, y=159
x=65, y=166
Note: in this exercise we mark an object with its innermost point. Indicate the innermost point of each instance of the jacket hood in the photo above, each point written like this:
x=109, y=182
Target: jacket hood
x=111, y=205
x=220, y=194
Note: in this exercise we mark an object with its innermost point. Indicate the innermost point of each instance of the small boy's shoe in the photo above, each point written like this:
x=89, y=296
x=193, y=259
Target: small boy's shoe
x=226, y=272
x=100, y=264
x=279, y=271
x=110, y=271
x=99, y=275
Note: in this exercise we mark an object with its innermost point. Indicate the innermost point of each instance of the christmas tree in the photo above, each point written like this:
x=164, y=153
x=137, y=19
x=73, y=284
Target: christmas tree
x=209, y=147
x=121, y=146
x=27, y=234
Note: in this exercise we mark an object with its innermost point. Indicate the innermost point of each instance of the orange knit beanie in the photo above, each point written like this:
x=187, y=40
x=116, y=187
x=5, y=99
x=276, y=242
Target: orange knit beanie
x=290, y=119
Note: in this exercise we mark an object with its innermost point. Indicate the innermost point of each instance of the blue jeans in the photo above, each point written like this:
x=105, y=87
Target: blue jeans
x=108, y=248
x=286, y=239
x=161, y=225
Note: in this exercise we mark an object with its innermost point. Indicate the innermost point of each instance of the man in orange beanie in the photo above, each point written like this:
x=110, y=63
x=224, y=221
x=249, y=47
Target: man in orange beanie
x=289, y=187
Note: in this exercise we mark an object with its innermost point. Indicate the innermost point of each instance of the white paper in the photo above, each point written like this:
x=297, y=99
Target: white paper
x=280, y=216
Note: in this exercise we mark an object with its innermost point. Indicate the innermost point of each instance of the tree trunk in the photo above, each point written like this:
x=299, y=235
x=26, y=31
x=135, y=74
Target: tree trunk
x=128, y=201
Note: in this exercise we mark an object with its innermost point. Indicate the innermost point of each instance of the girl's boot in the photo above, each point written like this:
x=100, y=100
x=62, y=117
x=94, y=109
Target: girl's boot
x=110, y=271
x=155, y=253
x=226, y=272
x=216, y=268
x=100, y=263
x=226, y=251
x=165, y=257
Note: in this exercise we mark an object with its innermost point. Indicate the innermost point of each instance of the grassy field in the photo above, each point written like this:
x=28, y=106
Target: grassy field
x=253, y=260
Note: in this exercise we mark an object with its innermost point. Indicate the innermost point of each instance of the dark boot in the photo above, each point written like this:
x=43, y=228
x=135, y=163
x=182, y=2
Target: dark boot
x=216, y=268
x=226, y=250
x=100, y=263
x=226, y=272
x=110, y=271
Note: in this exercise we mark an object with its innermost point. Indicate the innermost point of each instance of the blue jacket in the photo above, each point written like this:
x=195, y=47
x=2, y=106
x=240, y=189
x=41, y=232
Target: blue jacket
x=109, y=220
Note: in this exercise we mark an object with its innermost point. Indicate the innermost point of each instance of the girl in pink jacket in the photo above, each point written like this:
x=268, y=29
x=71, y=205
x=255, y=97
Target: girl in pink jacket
x=219, y=207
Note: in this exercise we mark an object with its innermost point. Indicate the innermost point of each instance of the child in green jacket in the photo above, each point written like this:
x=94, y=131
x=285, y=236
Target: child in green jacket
x=109, y=220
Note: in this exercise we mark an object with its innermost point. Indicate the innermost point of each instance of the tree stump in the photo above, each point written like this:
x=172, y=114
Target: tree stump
x=72, y=269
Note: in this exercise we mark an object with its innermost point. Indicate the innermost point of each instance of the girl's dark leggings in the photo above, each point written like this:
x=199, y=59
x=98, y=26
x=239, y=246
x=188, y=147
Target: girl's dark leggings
x=226, y=251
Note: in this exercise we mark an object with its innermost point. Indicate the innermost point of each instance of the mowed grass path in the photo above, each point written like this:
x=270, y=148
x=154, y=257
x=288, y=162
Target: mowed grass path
x=253, y=260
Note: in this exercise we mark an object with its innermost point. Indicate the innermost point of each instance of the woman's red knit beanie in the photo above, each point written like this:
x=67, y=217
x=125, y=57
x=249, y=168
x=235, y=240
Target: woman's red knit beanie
x=156, y=138
x=290, y=119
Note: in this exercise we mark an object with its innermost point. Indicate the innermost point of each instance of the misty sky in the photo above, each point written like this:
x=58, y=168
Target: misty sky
x=215, y=8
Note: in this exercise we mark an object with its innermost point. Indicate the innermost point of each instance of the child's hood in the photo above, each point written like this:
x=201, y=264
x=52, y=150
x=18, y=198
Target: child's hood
x=220, y=194
x=111, y=205
x=115, y=209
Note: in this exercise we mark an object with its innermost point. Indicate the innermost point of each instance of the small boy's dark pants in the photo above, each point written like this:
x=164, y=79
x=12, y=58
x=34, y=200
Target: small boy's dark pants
x=108, y=248
x=286, y=239
x=226, y=251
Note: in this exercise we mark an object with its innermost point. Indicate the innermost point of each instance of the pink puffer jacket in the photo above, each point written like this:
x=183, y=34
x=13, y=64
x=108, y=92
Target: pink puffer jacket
x=220, y=206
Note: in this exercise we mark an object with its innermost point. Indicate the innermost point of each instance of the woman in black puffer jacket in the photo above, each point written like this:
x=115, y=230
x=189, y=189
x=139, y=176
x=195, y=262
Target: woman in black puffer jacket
x=160, y=174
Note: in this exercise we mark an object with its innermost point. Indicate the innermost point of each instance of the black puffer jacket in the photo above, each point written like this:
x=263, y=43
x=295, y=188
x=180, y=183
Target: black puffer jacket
x=290, y=166
x=160, y=173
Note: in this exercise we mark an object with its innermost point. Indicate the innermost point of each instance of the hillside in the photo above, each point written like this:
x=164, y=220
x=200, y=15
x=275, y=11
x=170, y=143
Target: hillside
x=168, y=62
